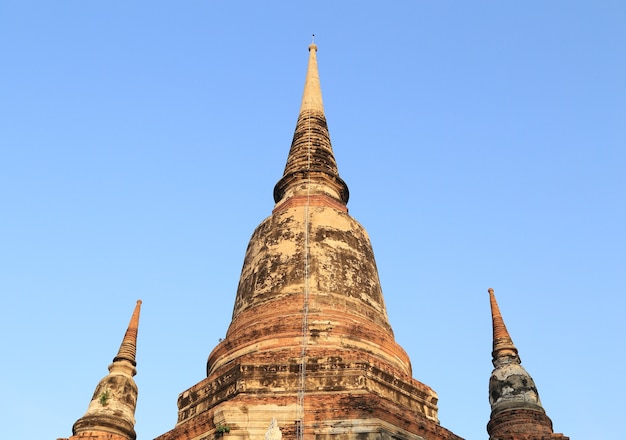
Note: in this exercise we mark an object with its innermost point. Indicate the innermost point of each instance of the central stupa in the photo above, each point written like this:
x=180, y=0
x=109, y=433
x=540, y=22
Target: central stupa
x=309, y=352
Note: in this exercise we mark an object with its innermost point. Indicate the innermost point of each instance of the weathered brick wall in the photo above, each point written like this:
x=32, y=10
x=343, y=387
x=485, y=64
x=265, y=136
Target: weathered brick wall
x=522, y=424
x=358, y=379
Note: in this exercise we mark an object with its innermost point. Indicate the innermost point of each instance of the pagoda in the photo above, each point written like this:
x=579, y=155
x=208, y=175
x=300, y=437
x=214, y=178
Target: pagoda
x=309, y=347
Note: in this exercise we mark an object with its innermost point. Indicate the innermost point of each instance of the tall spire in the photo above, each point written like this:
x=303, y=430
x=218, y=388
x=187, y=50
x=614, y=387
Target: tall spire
x=128, y=347
x=312, y=95
x=502, y=342
x=112, y=407
x=311, y=169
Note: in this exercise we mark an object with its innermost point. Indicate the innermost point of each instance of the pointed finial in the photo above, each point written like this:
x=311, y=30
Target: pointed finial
x=128, y=348
x=312, y=95
x=502, y=342
x=313, y=45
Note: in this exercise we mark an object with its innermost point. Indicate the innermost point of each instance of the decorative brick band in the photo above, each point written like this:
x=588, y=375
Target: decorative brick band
x=311, y=200
x=522, y=424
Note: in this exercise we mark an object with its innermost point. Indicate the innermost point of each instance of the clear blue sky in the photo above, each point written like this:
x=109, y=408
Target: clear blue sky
x=483, y=144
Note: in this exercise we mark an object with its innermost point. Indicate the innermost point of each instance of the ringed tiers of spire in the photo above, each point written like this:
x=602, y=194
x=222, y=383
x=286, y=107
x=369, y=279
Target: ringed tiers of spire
x=128, y=348
x=311, y=169
x=112, y=408
x=502, y=342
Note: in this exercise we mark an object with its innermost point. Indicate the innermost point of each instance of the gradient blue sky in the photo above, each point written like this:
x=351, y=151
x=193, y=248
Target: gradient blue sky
x=483, y=143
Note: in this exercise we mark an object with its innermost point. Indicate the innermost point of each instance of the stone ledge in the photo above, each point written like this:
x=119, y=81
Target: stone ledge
x=321, y=378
